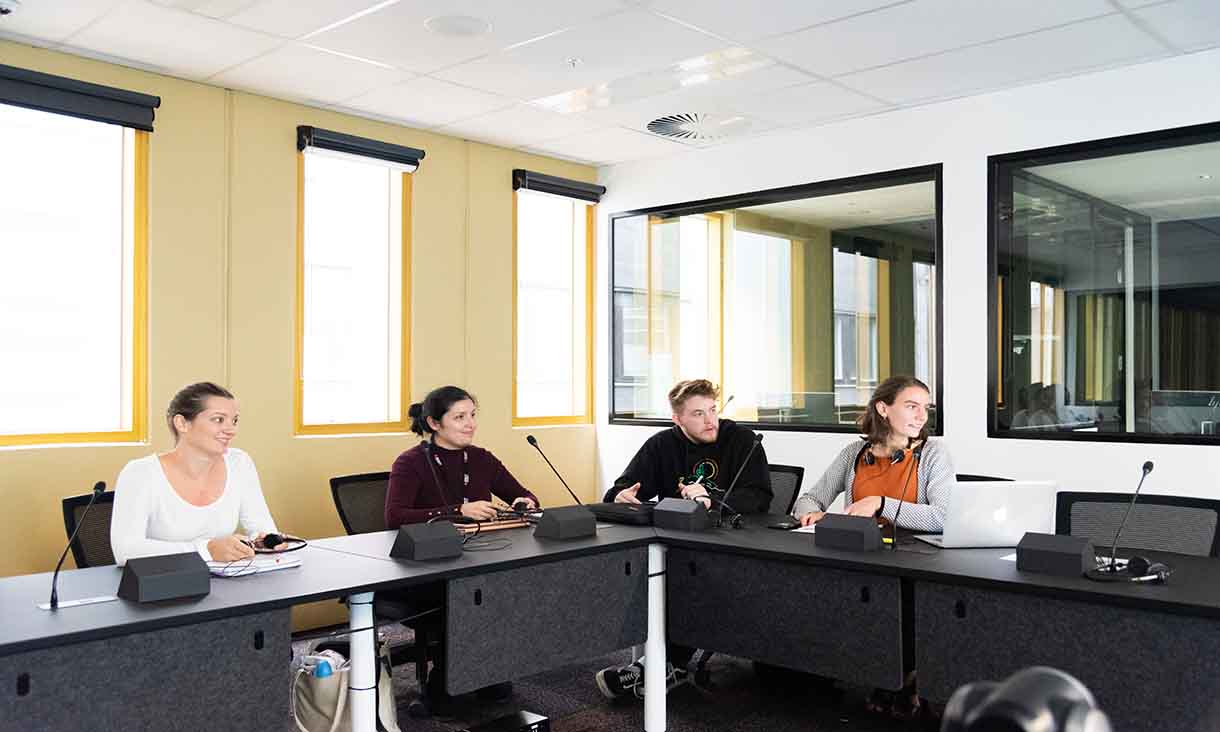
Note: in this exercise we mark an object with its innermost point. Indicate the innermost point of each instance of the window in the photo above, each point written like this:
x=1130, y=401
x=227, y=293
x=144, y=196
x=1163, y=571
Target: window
x=354, y=259
x=1104, y=269
x=552, y=308
x=73, y=239
x=797, y=301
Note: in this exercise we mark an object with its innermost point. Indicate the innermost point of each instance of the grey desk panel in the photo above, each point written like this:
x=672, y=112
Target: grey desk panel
x=1148, y=670
x=819, y=619
x=174, y=679
x=1194, y=589
x=516, y=622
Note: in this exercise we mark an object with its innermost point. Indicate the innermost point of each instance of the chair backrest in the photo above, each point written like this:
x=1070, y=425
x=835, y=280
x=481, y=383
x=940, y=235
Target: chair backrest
x=1157, y=523
x=360, y=501
x=785, y=486
x=91, y=547
x=971, y=478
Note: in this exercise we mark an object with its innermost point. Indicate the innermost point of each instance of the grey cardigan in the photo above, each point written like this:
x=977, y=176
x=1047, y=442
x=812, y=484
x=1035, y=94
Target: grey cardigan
x=933, y=480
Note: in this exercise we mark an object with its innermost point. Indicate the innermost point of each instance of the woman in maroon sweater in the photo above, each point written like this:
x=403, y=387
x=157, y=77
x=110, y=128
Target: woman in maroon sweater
x=446, y=475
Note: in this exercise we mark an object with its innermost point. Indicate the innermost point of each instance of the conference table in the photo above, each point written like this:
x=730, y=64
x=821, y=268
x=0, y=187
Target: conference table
x=1150, y=653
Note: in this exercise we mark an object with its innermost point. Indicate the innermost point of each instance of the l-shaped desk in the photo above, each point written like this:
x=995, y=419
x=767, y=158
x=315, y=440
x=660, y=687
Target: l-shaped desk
x=1149, y=653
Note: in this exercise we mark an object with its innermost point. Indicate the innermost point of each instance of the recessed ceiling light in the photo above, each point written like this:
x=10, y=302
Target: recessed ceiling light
x=574, y=61
x=457, y=26
x=1205, y=176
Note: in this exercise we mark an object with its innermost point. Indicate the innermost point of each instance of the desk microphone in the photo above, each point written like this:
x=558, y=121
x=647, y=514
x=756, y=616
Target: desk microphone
x=98, y=489
x=917, y=453
x=1114, y=549
x=725, y=500
x=449, y=508
x=530, y=439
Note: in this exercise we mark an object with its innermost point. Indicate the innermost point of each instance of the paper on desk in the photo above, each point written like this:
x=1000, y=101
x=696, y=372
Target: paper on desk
x=805, y=529
x=1009, y=557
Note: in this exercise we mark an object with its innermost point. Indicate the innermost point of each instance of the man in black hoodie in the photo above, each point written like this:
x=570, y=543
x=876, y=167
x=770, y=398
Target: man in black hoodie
x=699, y=455
x=695, y=459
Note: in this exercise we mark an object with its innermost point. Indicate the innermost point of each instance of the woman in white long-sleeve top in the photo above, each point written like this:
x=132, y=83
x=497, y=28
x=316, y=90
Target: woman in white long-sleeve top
x=895, y=463
x=194, y=497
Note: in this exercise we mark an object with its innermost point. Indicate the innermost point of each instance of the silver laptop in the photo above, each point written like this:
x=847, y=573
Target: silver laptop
x=995, y=513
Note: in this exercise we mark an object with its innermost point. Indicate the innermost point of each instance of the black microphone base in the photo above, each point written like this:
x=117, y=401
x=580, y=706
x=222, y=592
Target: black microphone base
x=566, y=522
x=167, y=577
x=1056, y=554
x=422, y=542
x=847, y=533
x=681, y=514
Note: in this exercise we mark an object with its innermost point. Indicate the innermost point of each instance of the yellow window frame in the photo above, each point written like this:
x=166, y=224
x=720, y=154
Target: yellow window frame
x=139, y=324
x=570, y=419
x=299, y=428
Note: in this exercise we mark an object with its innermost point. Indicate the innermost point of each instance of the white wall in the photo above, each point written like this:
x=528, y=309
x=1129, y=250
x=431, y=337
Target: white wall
x=960, y=134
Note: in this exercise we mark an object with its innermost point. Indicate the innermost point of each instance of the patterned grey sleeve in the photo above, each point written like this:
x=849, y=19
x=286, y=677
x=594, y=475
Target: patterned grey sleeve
x=936, y=477
x=822, y=493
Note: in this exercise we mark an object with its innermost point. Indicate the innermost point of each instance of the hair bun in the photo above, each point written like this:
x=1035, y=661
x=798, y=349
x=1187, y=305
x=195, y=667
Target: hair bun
x=416, y=410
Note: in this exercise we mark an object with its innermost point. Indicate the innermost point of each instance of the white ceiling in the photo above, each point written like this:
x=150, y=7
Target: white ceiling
x=580, y=79
x=874, y=207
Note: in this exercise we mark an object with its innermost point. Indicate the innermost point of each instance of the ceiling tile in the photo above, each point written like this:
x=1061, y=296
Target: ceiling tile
x=806, y=104
x=1190, y=25
x=295, y=18
x=920, y=28
x=396, y=34
x=218, y=9
x=519, y=125
x=1058, y=52
x=1140, y=3
x=299, y=72
x=742, y=22
x=184, y=43
x=611, y=145
x=425, y=102
x=55, y=21
x=713, y=96
x=611, y=48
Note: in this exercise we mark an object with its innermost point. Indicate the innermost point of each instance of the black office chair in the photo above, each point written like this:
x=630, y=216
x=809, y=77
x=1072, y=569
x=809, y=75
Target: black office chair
x=785, y=486
x=1157, y=523
x=970, y=478
x=360, y=501
x=91, y=547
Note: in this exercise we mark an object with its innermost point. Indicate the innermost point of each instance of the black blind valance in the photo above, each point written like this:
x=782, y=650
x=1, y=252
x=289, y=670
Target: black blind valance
x=58, y=94
x=553, y=184
x=338, y=142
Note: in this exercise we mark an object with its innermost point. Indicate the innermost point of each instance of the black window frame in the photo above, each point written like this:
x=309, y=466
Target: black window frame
x=930, y=173
x=1104, y=147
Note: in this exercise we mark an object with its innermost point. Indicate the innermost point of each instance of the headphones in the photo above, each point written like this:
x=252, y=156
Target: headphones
x=1138, y=569
x=895, y=457
x=1038, y=698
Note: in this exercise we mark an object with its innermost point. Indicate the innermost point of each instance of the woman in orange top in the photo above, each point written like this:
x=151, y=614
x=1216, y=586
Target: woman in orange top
x=897, y=463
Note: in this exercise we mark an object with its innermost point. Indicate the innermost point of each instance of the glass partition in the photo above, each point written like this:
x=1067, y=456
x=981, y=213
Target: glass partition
x=1105, y=317
x=797, y=301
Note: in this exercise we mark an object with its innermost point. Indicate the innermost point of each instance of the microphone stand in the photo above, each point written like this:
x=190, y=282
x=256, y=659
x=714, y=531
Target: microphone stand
x=1114, y=548
x=530, y=439
x=733, y=484
x=98, y=489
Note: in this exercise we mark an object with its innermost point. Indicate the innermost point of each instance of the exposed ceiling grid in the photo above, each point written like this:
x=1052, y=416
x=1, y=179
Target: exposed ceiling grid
x=582, y=80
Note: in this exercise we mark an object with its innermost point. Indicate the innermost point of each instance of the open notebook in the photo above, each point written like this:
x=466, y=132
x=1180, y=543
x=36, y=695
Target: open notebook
x=256, y=565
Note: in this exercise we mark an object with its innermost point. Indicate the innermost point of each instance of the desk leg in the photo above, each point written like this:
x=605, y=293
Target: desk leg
x=655, y=662
x=362, y=681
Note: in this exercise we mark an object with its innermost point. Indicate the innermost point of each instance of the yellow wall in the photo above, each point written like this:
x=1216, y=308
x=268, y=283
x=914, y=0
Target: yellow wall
x=222, y=215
